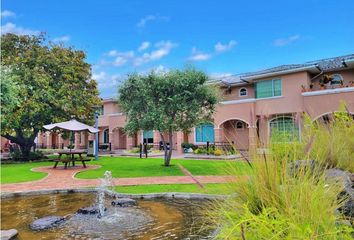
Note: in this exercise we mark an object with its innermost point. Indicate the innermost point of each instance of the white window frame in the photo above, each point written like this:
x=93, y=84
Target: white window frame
x=273, y=79
x=284, y=116
x=103, y=137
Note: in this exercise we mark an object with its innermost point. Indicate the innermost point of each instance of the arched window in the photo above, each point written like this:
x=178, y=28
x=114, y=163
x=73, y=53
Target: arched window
x=240, y=125
x=204, y=133
x=106, y=136
x=337, y=79
x=243, y=92
x=283, y=129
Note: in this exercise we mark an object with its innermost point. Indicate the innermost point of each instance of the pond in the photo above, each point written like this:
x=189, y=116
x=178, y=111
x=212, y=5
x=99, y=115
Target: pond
x=149, y=219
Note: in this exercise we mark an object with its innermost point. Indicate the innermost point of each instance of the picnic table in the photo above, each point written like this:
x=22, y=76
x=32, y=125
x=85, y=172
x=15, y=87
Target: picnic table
x=70, y=157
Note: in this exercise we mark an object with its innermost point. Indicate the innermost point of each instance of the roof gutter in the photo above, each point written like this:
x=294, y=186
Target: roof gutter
x=265, y=75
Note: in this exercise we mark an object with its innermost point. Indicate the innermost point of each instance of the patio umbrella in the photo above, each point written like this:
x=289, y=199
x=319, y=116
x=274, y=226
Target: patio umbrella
x=72, y=126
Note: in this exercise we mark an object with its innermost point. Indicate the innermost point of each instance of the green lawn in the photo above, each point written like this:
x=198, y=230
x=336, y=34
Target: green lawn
x=211, y=188
x=123, y=167
x=205, y=167
x=136, y=167
x=21, y=172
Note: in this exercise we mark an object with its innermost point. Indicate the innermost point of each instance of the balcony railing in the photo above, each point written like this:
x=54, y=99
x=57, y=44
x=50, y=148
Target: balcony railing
x=328, y=91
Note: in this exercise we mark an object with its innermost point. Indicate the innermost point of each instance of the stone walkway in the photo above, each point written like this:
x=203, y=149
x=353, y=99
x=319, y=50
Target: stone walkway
x=60, y=178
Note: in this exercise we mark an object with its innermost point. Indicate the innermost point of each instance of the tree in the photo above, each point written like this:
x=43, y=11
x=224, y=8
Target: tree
x=174, y=101
x=43, y=83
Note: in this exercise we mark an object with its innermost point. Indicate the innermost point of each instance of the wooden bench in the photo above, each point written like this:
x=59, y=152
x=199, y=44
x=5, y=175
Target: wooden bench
x=66, y=161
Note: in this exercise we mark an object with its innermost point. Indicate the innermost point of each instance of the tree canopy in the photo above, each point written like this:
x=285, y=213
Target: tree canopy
x=43, y=83
x=173, y=101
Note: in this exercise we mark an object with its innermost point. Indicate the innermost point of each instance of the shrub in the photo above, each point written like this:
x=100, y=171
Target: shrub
x=274, y=203
x=218, y=152
x=36, y=155
x=200, y=151
x=17, y=156
x=332, y=142
x=189, y=145
x=134, y=150
x=71, y=146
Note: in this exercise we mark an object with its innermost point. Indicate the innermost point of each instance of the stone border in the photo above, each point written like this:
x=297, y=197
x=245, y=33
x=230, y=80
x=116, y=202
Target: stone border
x=213, y=157
x=165, y=195
x=127, y=154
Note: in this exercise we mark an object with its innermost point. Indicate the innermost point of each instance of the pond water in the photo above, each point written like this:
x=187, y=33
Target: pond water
x=150, y=219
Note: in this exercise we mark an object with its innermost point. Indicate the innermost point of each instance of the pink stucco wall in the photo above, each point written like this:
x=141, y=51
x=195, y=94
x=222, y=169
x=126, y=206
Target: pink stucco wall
x=254, y=112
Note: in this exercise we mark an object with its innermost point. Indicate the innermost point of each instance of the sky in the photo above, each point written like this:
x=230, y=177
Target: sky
x=219, y=37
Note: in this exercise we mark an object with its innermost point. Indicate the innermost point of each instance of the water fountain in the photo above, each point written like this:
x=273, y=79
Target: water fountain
x=107, y=217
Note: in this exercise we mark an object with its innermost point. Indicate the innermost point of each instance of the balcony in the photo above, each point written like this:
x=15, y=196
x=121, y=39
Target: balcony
x=328, y=91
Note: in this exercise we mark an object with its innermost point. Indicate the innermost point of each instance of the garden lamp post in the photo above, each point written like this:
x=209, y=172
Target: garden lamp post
x=96, y=135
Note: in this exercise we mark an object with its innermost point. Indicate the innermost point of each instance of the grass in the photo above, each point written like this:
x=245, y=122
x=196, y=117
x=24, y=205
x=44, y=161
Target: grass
x=279, y=201
x=122, y=167
x=211, y=188
x=150, y=167
x=21, y=172
x=205, y=167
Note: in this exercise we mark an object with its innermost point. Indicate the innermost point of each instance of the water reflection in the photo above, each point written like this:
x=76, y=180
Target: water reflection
x=151, y=219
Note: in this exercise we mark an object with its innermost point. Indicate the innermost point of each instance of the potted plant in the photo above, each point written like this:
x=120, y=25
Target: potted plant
x=303, y=88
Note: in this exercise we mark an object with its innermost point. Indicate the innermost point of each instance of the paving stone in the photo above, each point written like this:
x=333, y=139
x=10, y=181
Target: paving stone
x=60, y=178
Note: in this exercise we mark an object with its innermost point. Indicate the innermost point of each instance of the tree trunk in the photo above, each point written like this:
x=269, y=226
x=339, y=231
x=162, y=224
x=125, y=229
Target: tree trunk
x=170, y=139
x=26, y=149
x=168, y=152
x=25, y=143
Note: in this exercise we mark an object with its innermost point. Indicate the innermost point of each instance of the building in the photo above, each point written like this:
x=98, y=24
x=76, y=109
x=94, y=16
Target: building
x=254, y=107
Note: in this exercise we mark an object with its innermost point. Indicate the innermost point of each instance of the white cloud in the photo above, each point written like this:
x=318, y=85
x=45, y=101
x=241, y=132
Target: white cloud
x=112, y=53
x=7, y=13
x=199, y=56
x=115, y=53
x=286, y=41
x=65, y=38
x=219, y=47
x=12, y=28
x=160, y=69
x=159, y=50
x=120, y=61
x=142, y=22
x=162, y=49
x=144, y=45
x=99, y=76
x=220, y=75
x=106, y=81
x=121, y=58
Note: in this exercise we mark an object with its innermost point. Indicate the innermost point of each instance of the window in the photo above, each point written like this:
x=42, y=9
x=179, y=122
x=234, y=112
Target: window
x=240, y=125
x=283, y=129
x=337, y=79
x=205, y=133
x=106, y=136
x=268, y=88
x=243, y=92
x=148, y=136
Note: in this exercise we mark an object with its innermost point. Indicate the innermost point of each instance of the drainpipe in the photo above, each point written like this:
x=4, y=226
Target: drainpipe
x=317, y=74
